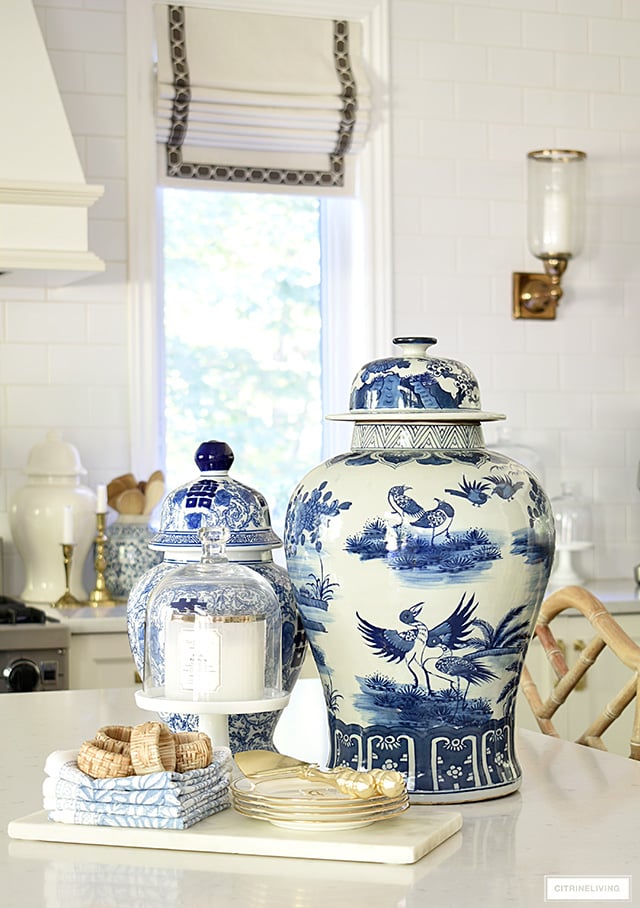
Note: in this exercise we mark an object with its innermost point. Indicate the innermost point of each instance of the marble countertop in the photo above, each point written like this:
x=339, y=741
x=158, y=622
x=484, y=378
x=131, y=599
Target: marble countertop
x=89, y=619
x=576, y=814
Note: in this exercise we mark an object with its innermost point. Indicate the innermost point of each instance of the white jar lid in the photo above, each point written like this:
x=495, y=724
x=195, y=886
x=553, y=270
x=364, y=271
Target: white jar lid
x=54, y=457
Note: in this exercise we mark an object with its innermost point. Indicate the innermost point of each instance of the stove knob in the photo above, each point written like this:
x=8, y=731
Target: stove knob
x=22, y=676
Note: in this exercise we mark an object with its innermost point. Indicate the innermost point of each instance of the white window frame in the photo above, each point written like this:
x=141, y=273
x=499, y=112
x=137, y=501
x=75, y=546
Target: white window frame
x=356, y=301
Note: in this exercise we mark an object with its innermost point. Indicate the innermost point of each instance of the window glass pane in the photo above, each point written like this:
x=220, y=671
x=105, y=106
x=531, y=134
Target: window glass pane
x=242, y=323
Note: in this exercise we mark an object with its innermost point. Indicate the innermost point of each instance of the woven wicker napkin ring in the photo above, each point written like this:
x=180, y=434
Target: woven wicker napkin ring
x=193, y=750
x=114, y=738
x=153, y=748
x=99, y=763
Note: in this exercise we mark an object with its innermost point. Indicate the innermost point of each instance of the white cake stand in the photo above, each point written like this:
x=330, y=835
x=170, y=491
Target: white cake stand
x=564, y=571
x=212, y=714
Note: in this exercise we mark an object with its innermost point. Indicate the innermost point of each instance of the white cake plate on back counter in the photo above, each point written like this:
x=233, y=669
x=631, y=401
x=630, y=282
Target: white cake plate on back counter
x=213, y=714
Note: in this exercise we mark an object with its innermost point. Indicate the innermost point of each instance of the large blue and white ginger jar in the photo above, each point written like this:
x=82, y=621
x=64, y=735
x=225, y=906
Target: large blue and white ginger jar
x=215, y=498
x=419, y=561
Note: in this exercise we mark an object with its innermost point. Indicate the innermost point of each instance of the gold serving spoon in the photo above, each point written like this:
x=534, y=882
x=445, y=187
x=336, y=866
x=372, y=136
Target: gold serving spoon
x=356, y=784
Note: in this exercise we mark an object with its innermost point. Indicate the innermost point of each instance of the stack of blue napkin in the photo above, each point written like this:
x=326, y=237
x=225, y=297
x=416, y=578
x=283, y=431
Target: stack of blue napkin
x=160, y=800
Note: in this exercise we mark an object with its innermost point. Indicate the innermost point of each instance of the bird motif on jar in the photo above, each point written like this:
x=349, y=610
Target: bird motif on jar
x=411, y=645
x=435, y=521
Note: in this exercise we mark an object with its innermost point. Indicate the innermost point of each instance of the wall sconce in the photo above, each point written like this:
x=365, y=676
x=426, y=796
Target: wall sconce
x=556, y=216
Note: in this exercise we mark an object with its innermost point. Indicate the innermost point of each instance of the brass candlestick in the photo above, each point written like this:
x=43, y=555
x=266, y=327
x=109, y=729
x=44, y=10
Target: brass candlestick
x=100, y=595
x=67, y=600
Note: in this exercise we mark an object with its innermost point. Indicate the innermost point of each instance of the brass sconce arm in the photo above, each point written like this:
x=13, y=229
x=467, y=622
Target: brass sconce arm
x=538, y=295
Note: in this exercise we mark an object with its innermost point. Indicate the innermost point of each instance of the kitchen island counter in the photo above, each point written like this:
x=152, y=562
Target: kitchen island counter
x=576, y=814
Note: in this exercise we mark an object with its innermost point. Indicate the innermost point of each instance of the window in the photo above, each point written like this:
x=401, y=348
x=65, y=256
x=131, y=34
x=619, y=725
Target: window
x=242, y=332
x=355, y=294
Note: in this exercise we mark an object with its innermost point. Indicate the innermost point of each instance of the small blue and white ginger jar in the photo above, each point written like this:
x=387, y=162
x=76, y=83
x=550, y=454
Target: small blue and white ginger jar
x=215, y=498
x=420, y=560
x=127, y=553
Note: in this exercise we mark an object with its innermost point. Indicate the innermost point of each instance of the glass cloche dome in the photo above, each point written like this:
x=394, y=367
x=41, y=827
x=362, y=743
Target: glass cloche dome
x=213, y=631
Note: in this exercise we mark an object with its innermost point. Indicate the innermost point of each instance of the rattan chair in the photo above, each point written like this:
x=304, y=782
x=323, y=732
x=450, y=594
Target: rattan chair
x=608, y=633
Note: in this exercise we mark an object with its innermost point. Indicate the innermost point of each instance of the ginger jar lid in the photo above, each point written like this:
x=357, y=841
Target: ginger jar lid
x=54, y=457
x=415, y=386
x=214, y=498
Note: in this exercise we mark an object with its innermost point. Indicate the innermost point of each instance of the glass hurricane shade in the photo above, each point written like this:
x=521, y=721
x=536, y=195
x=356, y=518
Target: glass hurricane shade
x=556, y=202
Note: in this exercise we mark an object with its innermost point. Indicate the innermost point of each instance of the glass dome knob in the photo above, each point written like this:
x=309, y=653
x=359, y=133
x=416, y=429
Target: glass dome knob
x=214, y=544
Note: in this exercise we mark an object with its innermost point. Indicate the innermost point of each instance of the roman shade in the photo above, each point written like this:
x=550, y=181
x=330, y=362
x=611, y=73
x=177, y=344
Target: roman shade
x=259, y=99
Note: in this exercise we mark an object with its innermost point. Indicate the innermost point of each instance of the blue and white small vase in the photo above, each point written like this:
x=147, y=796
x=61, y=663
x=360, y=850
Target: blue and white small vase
x=127, y=553
x=214, y=498
x=420, y=560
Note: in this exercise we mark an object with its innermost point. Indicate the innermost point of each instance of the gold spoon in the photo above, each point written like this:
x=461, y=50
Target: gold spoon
x=355, y=784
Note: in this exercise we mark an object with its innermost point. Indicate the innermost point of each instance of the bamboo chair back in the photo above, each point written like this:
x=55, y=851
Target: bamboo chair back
x=608, y=633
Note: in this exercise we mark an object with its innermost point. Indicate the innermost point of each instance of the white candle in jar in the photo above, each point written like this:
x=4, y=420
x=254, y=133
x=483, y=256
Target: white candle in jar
x=68, y=536
x=101, y=500
x=215, y=659
x=556, y=222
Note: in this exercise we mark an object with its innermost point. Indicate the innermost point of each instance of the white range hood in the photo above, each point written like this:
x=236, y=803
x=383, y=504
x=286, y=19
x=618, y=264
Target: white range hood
x=44, y=199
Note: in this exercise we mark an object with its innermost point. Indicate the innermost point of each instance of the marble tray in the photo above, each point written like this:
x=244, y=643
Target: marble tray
x=401, y=840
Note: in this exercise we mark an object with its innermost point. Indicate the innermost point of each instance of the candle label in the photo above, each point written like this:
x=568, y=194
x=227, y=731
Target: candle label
x=199, y=659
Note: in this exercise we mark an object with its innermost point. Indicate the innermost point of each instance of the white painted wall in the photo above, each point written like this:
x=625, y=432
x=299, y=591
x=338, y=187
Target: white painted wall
x=475, y=85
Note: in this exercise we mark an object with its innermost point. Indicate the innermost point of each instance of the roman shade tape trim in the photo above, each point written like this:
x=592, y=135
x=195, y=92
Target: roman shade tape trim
x=259, y=99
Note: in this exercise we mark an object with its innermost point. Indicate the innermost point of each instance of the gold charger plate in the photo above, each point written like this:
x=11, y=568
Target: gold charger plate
x=320, y=811
x=277, y=788
x=291, y=819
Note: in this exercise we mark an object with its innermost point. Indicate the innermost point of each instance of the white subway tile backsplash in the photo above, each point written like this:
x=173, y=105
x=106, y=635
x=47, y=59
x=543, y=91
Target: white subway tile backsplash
x=107, y=323
x=452, y=62
x=40, y=322
x=614, y=36
x=611, y=111
x=630, y=9
x=405, y=53
x=614, y=410
x=416, y=19
x=459, y=293
x=492, y=180
x=455, y=217
x=425, y=177
x=512, y=143
x=105, y=74
x=568, y=410
x=550, y=107
x=108, y=239
x=95, y=365
x=630, y=69
x=452, y=139
x=69, y=70
x=589, y=72
x=24, y=364
x=578, y=371
x=405, y=139
x=48, y=406
x=631, y=366
x=108, y=118
x=490, y=27
x=550, y=31
x=84, y=30
x=585, y=449
x=488, y=103
x=517, y=66
x=419, y=253
x=605, y=8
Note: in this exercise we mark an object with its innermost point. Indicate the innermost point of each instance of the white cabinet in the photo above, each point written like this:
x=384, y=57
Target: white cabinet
x=101, y=660
x=596, y=689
